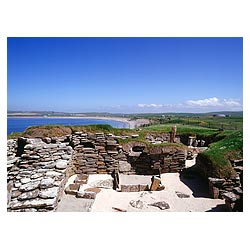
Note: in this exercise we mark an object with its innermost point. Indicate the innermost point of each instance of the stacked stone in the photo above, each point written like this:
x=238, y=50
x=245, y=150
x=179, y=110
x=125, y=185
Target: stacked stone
x=39, y=178
x=229, y=189
x=11, y=153
x=95, y=153
x=163, y=162
x=173, y=161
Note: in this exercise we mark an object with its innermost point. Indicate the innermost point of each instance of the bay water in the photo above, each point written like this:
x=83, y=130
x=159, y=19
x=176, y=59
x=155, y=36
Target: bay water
x=20, y=124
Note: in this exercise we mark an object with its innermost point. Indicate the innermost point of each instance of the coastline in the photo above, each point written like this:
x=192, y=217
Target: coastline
x=132, y=123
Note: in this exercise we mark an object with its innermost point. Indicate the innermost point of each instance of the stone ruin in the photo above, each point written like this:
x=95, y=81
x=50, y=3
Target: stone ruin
x=38, y=168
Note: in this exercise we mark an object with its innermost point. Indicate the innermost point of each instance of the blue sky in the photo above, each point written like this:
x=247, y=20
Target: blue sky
x=125, y=75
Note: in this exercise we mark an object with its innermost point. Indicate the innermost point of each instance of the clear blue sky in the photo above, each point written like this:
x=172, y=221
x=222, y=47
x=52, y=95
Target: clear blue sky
x=125, y=75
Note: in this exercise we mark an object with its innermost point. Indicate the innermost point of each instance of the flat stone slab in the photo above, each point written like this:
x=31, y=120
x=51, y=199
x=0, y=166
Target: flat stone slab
x=182, y=195
x=134, y=179
x=160, y=204
x=70, y=203
x=61, y=164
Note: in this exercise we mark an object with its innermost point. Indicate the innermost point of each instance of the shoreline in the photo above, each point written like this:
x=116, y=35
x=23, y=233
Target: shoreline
x=131, y=123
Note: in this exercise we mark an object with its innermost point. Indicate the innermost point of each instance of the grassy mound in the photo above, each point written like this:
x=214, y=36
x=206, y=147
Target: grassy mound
x=216, y=159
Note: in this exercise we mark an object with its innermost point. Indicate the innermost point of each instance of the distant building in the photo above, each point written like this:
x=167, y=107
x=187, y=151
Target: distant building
x=219, y=115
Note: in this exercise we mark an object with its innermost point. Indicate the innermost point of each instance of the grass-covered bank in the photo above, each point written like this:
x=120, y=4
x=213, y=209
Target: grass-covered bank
x=216, y=160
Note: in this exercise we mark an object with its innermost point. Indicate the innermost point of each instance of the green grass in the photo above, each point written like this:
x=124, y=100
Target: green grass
x=219, y=154
x=181, y=129
x=225, y=123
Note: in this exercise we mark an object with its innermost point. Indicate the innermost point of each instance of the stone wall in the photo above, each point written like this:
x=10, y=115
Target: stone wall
x=97, y=153
x=101, y=154
x=39, y=168
x=229, y=189
x=36, y=181
x=11, y=153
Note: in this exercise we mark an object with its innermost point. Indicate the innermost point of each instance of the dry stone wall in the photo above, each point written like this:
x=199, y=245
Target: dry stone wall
x=36, y=181
x=39, y=168
x=229, y=189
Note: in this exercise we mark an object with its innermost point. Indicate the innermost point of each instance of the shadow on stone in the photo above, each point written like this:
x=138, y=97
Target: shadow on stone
x=197, y=184
x=219, y=208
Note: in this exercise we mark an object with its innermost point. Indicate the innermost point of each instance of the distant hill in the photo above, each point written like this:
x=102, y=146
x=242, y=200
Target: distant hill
x=140, y=115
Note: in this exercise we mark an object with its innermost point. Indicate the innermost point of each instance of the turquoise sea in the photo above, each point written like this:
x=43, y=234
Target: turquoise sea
x=19, y=124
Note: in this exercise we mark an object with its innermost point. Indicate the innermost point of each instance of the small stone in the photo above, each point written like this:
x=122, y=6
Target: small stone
x=47, y=183
x=28, y=195
x=35, y=176
x=34, y=203
x=53, y=174
x=137, y=204
x=230, y=196
x=160, y=204
x=25, y=180
x=29, y=186
x=49, y=193
x=61, y=164
x=182, y=195
x=216, y=181
x=15, y=193
x=124, y=166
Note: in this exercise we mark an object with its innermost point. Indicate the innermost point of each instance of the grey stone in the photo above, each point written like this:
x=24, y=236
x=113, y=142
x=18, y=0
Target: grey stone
x=25, y=180
x=15, y=193
x=47, y=183
x=182, y=195
x=61, y=164
x=50, y=146
x=136, y=204
x=49, y=193
x=53, y=174
x=160, y=204
x=230, y=196
x=124, y=166
x=35, y=203
x=12, y=161
x=216, y=181
x=29, y=186
x=29, y=195
x=37, y=175
x=17, y=184
x=34, y=141
x=65, y=157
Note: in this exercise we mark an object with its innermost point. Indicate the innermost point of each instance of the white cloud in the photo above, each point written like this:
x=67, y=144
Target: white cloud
x=150, y=105
x=232, y=103
x=214, y=102
x=207, y=104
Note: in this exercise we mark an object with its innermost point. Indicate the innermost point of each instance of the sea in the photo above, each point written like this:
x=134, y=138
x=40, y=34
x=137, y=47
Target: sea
x=20, y=124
